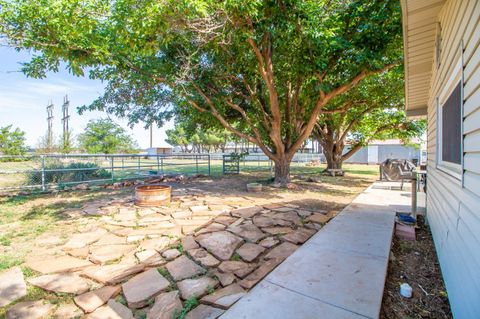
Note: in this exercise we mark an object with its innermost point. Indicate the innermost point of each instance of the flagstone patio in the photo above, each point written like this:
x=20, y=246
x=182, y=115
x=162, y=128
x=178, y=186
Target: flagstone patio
x=128, y=261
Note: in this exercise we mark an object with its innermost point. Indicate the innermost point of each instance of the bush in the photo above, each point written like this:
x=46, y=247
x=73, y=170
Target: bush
x=58, y=172
x=7, y=158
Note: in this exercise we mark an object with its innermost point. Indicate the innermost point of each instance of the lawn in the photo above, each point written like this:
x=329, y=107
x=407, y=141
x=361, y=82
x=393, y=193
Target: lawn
x=18, y=174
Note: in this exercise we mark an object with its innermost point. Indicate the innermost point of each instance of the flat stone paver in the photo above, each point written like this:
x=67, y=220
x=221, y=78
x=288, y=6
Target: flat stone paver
x=12, y=286
x=112, y=310
x=246, y=212
x=196, y=287
x=30, y=310
x=183, y=267
x=282, y=251
x=165, y=306
x=171, y=254
x=150, y=258
x=250, y=252
x=268, y=242
x=239, y=268
x=253, y=278
x=58, y=264
x=204, y=312
x=224, y=298
x=67, y=310
x=299, y=236
x=249, y=232
x=83, y=239
x=339, y=272
x=91, y=300
x=106, y=253
x=201, y=256
x=221, y=244
x=113, y=274
x=144, y=286
x=61, y=283
x=188, y=242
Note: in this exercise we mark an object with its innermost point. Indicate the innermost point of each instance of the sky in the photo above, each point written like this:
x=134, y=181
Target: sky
x=23, y=101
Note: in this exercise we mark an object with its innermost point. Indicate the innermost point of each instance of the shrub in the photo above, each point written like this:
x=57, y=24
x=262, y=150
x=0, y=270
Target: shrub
x=58, y=172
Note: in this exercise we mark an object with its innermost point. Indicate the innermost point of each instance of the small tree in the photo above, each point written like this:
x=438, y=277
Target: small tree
x=46, y=146
x=12, y=142
x=373, y=110
x=106, y=137
x=178, y=137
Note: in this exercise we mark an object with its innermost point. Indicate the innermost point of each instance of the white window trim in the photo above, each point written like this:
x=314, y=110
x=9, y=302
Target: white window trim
x=453, y=169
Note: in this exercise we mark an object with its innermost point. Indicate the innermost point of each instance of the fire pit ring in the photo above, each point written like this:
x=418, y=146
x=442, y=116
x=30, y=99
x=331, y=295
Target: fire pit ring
x=152, y=195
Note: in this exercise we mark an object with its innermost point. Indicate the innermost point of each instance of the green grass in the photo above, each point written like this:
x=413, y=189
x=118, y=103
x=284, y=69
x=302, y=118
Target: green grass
x=10, y=260
x=188, y=305
x=170, y=166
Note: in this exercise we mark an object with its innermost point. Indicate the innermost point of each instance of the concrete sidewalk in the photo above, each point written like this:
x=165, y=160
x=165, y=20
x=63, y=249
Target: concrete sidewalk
x=340, y=272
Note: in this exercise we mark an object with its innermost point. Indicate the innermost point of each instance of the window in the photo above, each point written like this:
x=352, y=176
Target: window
x=449, y=125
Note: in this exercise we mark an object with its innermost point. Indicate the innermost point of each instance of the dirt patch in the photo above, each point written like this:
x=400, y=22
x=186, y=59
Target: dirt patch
x=415, y=263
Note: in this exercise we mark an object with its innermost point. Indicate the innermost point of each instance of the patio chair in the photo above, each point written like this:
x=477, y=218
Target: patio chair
x=405, y=175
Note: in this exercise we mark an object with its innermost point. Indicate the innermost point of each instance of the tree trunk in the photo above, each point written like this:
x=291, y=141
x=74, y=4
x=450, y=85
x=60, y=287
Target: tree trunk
x=334, y=161
x=282, y=170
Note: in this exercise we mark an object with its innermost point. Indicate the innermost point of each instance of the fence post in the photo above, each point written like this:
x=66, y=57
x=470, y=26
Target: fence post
x=209, y=172
x=196, y=162
x=161, y=164
x=138, y=173
x=123, y=167
x=158, y=164
x=112, y=167
x=44, y=186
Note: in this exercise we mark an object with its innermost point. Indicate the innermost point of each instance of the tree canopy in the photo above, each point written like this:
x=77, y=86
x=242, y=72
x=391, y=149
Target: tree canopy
x=12, y=141
x=371, y=111
x=271, y=66
x=105, y=137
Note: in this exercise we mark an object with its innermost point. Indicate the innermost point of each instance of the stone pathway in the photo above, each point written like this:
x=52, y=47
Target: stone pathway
x=339, y=273
x=132, y=262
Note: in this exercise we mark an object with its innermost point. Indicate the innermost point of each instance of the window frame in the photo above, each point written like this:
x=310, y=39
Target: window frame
x=453, y=169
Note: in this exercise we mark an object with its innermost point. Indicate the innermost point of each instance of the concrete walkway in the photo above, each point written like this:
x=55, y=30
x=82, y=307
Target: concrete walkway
x=340, y=272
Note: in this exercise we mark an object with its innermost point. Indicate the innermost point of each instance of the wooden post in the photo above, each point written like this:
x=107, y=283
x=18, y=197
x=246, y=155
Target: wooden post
x=414, y=196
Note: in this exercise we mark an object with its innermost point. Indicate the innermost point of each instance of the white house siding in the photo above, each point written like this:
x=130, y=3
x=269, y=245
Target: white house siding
x=385, y=151
x=454, y=210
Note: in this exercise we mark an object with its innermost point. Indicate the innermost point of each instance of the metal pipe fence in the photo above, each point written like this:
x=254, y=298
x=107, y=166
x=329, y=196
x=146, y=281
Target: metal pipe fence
x=52, y=171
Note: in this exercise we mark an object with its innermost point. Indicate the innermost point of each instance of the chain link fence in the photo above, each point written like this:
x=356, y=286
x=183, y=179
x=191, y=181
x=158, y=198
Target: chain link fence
x=44, y=172
x=52, y=171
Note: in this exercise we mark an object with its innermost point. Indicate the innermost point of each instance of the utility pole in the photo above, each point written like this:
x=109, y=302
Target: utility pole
x=50, y=126
x=65, y=118
x=151, y=135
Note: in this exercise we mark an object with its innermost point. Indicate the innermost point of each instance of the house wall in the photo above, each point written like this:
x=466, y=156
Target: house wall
x=454, y=204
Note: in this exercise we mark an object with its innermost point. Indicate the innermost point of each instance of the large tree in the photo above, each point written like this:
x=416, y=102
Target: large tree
x=371, y=111
x=12, y=141
x=270, y=65
x=103, y=136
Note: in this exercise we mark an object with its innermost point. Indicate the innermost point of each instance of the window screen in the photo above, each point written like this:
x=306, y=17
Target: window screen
x=451, y=127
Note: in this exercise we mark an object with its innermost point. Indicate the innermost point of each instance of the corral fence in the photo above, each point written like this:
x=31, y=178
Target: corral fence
x=44, y=172
x=53, y=171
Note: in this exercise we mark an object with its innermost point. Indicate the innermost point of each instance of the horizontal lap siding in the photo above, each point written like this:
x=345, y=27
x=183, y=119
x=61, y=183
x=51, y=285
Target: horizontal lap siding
x=453, y=210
